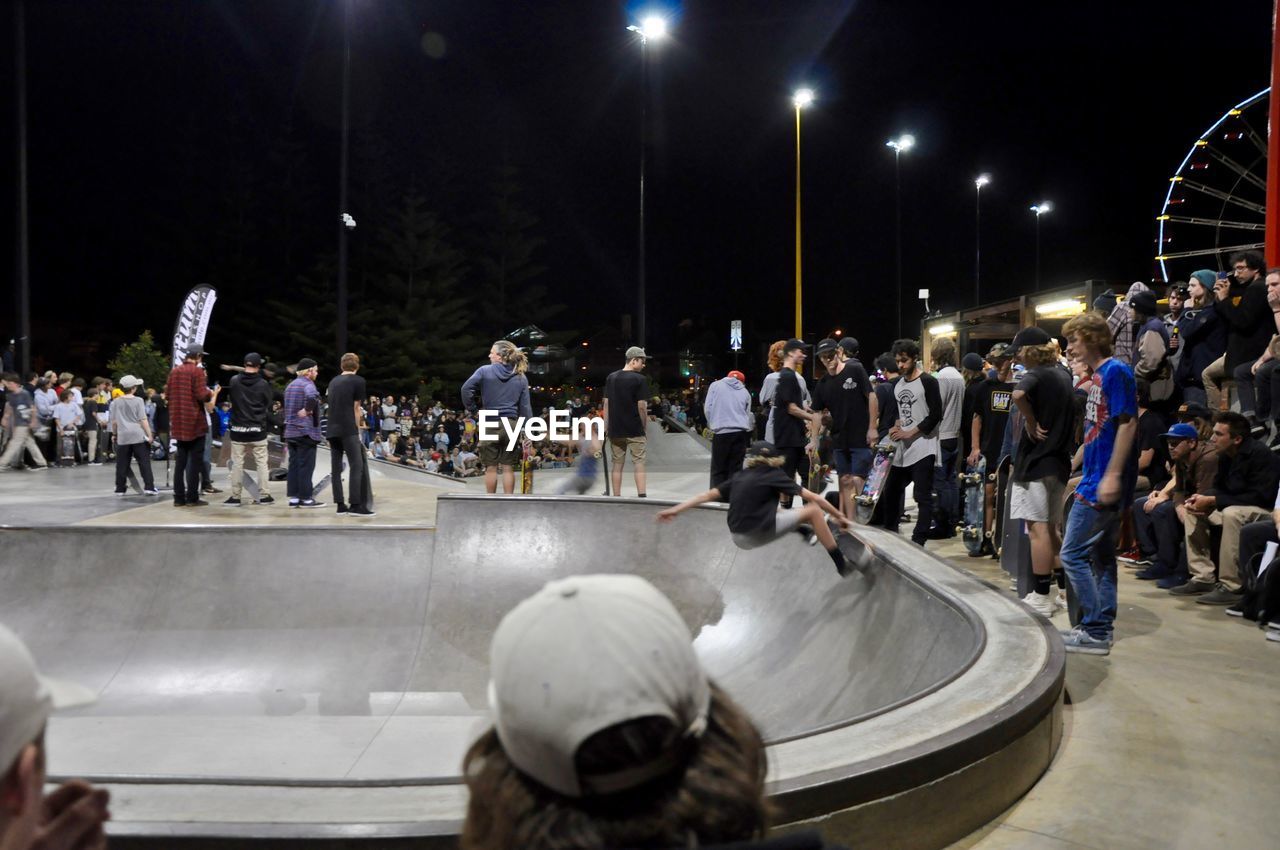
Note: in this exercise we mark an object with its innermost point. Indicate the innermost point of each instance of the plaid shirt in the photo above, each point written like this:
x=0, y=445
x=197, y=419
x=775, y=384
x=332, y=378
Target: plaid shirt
x=301, y=413
x=186, y=394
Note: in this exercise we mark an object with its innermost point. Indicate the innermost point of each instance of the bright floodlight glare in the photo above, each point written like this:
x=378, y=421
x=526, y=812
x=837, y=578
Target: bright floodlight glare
x=1042, y=208
x=653, y=27
x=802, y=98
x=983, y=179
x=903, y=143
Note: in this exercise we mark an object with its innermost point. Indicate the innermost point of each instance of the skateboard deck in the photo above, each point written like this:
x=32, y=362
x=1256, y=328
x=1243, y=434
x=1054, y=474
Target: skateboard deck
x=972, y=527
x=819, y=471
x=1015, y=545
x=526, y=471
x=870, y=494
x=856, y=551
x=68, y=441
x=1000, y=478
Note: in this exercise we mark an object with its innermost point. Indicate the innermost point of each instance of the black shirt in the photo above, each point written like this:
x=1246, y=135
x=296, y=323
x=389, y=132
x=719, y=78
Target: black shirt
x=995, y=399
x=1151, y=428
x=251, y=397
x=888, y=407
x=788, y=431
x=845, y=395
x=1049, y=393
x=344, y=392
x=752, y=495
x=624, y=391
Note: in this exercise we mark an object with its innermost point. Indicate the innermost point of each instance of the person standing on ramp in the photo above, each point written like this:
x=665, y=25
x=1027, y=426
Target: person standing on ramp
x=626, y=415
x=500, y=387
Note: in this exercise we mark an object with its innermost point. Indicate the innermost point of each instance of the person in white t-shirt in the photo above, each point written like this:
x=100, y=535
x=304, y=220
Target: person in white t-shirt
x=915, y=432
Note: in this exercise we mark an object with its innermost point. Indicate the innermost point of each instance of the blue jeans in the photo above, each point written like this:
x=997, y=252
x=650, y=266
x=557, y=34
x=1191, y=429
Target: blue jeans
x=1089, y=560
x=302, y=464
x=1159, y=533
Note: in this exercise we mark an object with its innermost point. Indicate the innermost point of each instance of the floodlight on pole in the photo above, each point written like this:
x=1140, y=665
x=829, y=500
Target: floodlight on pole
x=978, y=183
x=1039, y=209
x=801, y=99
x=900, y=145
x=651, y=28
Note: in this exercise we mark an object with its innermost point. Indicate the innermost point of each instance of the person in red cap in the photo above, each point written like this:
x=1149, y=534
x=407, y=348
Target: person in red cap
x=728, y=412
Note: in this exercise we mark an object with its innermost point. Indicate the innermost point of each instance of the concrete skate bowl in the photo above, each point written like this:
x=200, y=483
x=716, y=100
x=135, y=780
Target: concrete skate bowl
x=290, y=687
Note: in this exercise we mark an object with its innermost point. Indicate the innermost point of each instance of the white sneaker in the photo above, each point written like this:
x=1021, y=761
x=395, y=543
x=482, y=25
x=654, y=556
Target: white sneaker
x=1042, y=603
x=1061, y=599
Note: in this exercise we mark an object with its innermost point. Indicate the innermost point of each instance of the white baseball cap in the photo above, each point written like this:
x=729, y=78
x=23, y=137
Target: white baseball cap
x=27, y=698
x=584, y=654
x=129, y=382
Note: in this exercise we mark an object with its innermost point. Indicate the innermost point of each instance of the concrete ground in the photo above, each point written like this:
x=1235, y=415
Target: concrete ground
x=1171, y=741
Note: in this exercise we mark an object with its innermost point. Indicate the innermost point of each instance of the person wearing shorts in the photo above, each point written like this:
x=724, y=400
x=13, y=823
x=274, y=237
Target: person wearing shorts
x=845, y=393
x=1042, y=463
x=501, y=388
x=753, y=517
x=626, y=414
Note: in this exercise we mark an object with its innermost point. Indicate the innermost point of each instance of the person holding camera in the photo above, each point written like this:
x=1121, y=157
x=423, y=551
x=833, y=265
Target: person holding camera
x=1241, y=303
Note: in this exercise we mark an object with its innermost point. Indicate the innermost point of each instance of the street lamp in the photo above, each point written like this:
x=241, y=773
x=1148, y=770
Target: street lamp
x=900, y=145
x=801, y=99
x=982, y=180
x=344, y=213
x=652, y=28
x=1039, y=209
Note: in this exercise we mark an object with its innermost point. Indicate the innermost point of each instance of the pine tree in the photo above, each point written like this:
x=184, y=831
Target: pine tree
x=141, y=359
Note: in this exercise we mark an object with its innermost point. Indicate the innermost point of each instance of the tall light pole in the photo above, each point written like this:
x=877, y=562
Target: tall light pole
x=651, y=28
x=1039, y=209
x=22, y=354
x=900, y=145
x=801, y=99
x=982, y=180
x=343, y=216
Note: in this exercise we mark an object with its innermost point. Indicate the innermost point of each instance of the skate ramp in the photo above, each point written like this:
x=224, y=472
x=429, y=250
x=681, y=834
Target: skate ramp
x=674, y=451
x=281, y=683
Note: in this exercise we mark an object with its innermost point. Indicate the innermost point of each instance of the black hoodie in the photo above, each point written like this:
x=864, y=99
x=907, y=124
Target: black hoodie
x=251, y=397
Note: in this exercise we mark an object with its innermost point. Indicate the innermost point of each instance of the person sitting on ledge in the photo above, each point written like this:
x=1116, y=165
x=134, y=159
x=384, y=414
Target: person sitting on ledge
x=608, y=732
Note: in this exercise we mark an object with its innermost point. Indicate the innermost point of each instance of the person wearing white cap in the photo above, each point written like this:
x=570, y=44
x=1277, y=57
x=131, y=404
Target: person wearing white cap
x=133, y=435
x=68, y=818
x=607, y=731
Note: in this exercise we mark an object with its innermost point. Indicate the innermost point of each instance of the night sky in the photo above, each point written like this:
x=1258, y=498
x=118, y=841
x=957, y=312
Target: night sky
x=138, y=112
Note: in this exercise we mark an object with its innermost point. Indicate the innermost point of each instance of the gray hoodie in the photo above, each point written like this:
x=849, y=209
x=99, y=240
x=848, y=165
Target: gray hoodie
x=497, y=387
x=728, y=406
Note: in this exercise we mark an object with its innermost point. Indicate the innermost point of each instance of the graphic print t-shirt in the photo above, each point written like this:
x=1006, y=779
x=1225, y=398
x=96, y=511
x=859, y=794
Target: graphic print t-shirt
x=995, y=400
x=845, y=395
x=1111, y=394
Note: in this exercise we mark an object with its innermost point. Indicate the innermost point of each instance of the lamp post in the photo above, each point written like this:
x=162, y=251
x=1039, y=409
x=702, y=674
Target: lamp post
x=982, y=180
x=1039, y=209
x=651, y=28
x=900, y=145
x=801, y=99
x=343, y=213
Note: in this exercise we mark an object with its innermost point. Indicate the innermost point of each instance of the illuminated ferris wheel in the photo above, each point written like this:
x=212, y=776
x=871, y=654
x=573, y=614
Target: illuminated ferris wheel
x=1216, y=203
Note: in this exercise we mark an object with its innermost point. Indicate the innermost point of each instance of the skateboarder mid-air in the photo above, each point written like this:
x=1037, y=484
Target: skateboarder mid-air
x=754, y=519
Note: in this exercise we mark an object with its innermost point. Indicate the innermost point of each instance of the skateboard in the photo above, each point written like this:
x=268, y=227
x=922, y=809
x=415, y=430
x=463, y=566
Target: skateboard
x=1000, y=477
x=818, y=470
x=1014, y=545
x=526, y=471
x=972, y=526
x=856, y=551
x=69, y=437
x=870, y=494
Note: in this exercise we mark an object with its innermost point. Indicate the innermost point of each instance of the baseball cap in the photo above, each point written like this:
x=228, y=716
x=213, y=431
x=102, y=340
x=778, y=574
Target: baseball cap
x=850, y=345
x=793, y=344
x=972, y=361
x=736, y=374
x=826, y=346
x=1182, y=431
x=1195, y=411
x=1143, y=302
x=129, y=382
x=582, y=655
x=253, y=358
x=1027, y=336
x=306, y=363
x=196, y=350
x=27, y=698
x=999, y=351
x=636, y=351
x=762, y=448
